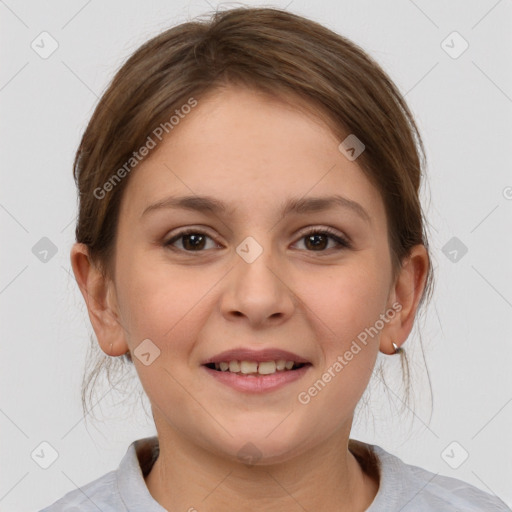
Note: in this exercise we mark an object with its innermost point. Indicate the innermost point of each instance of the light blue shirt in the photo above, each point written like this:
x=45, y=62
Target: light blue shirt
x=403, y=487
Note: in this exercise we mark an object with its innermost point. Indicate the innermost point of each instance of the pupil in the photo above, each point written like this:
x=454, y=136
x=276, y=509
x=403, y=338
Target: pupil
x=316, y=245
x=194, y=245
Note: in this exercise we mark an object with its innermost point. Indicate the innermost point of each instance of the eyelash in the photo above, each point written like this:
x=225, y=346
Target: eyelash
x=342, y=242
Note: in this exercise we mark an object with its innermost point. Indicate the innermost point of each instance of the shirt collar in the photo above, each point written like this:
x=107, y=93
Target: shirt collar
x=142, y=453
x=132, y=487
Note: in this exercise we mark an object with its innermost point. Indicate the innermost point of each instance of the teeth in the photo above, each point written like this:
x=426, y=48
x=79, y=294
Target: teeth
x=234, y=366
x=249, y=367
x=267, y=367
x=280, y=364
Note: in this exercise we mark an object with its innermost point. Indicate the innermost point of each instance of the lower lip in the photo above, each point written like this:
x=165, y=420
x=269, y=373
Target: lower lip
x=259, y=383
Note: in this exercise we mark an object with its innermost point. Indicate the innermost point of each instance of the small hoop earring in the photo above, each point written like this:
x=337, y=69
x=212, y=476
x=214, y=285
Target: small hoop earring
x=398, y=350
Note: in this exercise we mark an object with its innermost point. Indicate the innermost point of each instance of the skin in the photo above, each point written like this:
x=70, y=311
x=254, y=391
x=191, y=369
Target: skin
x=252, y=152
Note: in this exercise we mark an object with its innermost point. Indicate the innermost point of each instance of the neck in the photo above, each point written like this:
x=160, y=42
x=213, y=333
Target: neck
x=327, y=477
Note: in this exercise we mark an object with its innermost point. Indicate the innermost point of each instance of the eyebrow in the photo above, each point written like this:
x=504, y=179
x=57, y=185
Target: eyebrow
x=293, y=205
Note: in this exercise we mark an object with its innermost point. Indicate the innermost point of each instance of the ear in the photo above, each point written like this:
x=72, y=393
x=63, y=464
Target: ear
x=405, y=295
x=99, y=295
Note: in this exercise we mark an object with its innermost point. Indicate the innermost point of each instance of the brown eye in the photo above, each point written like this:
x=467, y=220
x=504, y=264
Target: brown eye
x=318, y=240
x=191, y=241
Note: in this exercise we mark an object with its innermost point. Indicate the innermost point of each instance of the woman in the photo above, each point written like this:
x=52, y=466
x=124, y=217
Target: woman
x=250, y=236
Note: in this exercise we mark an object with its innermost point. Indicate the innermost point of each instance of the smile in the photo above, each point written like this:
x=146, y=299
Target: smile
x=252, y=377
x=254, y=367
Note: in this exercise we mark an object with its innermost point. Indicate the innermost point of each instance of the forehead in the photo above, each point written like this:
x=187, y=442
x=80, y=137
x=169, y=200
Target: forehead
x=249, y=149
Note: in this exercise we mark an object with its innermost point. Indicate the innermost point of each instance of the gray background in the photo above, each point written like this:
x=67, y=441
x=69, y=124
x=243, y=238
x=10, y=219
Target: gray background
x=463, y=107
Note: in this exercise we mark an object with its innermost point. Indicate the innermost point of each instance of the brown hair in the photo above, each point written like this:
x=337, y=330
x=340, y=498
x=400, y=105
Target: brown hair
x=273, y=51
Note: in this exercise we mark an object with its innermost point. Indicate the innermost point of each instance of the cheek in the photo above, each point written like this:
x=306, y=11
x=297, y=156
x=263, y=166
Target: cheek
x=163, y=305
x=346, y=300
x=159, y=301
x=345, y=305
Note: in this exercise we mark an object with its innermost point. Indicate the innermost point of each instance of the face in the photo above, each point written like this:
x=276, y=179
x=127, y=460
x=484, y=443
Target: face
x=252, y=277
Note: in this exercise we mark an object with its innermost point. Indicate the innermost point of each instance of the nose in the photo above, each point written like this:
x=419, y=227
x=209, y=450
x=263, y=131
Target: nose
x=259, y=293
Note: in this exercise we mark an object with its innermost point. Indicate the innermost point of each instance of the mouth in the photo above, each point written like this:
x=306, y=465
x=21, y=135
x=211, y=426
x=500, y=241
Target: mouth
x=256, y=371
x=256, y=368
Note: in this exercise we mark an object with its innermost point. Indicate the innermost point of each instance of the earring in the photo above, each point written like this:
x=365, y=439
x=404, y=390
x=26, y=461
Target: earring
x=398, y=350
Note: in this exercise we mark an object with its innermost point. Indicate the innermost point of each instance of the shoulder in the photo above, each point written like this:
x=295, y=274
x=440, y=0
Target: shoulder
x=410, y=488
x=114, y=490
x=101, y=494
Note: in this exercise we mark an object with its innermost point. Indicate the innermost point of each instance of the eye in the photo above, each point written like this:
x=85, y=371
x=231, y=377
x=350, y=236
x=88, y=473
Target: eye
x=193, y=240
x=318, y=239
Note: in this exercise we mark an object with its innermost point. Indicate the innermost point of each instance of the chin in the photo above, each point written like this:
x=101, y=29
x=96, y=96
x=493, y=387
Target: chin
x=254, y=449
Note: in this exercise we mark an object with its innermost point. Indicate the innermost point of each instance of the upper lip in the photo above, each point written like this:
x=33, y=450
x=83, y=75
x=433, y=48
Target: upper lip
x=247, y=354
